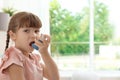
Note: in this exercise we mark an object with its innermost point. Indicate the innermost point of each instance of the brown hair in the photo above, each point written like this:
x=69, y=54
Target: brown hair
x=20, y=20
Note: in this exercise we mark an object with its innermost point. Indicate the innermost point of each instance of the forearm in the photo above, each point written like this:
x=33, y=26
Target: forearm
x=53, y=73
x=50, y=69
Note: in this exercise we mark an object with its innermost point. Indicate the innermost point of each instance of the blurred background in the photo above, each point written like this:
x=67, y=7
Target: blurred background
x=84, y=33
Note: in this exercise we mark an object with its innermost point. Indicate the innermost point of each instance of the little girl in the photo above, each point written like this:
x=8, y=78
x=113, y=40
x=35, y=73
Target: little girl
x=19, y=62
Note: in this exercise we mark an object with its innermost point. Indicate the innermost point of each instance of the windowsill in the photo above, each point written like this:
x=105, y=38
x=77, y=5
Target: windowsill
x=103, y=75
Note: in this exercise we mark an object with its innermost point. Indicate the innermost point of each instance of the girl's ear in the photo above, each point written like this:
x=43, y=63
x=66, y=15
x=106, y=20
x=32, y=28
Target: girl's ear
x=12, y=35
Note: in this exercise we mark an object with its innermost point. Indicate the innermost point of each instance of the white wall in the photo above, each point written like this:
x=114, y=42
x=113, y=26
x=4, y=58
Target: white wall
x=2, y=41
x=38, y=7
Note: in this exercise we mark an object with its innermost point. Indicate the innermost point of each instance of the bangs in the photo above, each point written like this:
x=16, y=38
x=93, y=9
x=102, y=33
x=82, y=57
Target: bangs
x=31, y=21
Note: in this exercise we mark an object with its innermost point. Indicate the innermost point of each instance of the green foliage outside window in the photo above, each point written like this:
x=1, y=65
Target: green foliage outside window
x=66, y=27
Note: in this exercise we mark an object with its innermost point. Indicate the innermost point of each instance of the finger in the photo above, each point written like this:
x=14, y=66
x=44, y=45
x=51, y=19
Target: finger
x=40, y=41
x=47, y=38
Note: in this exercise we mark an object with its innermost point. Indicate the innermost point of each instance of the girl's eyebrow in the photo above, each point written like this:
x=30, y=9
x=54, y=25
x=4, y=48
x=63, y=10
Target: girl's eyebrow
x=31, y=28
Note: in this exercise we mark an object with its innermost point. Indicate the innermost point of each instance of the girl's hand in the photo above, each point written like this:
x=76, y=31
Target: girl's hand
x=43, y=44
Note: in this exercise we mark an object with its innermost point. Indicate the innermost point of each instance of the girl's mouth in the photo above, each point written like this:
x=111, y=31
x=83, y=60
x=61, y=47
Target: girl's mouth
x=32, y=43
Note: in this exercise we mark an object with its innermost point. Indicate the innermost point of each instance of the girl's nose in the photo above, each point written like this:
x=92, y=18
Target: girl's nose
x=33, y=35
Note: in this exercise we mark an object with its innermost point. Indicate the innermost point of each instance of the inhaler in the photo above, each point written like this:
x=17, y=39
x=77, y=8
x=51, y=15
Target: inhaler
x=41, y=40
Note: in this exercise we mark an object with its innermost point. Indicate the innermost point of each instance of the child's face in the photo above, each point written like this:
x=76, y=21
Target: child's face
x=23, y=38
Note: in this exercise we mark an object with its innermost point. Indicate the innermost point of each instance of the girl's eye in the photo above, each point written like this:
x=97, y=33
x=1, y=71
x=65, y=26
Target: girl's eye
x=27, y=30
x=37, y=31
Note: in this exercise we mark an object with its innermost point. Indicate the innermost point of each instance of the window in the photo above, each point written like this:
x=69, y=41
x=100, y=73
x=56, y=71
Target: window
x=85, y=37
